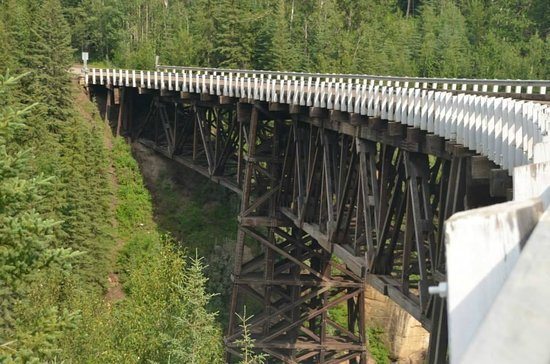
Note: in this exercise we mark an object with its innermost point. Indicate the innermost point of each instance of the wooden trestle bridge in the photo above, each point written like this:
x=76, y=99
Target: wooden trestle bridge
x=345, y=180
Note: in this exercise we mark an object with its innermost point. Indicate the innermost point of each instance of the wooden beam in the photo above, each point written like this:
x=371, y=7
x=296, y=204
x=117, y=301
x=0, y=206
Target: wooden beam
x=121, y=110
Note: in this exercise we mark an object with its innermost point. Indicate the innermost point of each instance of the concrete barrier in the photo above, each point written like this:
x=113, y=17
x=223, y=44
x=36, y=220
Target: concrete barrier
x=483, y=246
x=498, y=299
x=532, y=180
x=517, y=327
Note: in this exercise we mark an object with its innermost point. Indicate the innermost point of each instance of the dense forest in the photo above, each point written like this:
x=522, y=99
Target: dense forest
x=75, y=215
x=438, y=38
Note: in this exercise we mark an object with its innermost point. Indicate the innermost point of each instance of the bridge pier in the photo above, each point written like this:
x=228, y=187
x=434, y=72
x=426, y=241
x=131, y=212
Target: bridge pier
x=292, y=282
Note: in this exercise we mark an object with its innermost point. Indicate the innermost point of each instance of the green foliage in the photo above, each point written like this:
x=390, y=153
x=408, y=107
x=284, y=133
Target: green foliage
x=134, y=202
x=26, y=235
x=96, y=26
x=474, y=38
x=66, y=221
x=159, y=319
x=48, y=57
x=377, y=349
x=190, y=340
x=444, y=43
x=27, y=246
x=202, y=216
x=246, y=343
x=164, y=316
x=162, y=319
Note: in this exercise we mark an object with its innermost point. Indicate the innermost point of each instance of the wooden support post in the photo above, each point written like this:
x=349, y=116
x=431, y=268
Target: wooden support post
x=121, y=110
x=108, y=106
x=129, y=125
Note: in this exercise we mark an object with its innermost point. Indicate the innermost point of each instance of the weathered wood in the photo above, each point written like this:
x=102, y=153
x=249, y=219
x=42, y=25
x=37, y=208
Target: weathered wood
x=376, y=123
x=294, y=109
x=499, y=182
x=206, y=97
x=277, y=106
x=434, y=144
x=395, y=129
x=108, y=106
x=121, y=109
x=225, y=100
x=244, y=112
x=116, y=95
x=358, y=119
x=317, y=112
x=262, y=221
x=480, y=168
x=314, y=185
x=339, y=116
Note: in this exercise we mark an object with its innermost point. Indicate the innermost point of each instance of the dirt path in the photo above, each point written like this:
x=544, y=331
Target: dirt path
x=83, y=105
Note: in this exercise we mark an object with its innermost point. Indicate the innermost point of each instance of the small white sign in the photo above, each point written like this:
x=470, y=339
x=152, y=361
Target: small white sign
x=84, y=56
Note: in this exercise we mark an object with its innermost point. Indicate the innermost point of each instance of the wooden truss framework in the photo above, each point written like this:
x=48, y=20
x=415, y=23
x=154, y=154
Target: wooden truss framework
x=329, y=211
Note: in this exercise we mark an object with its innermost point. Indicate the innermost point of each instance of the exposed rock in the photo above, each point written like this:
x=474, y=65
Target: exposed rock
x=404, y=336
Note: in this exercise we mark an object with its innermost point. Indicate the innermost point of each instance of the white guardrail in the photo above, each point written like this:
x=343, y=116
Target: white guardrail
x=472, y=113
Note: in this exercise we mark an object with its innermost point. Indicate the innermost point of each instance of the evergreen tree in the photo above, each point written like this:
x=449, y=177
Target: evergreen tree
x=48, y=58
x=233, y=45
x=96, y=27
x=284, y=53
x=27, y=244
x=453, y=46
x=443, y=48
x=16, y=19
x=326, y=21
x=190, y=341
x=247, y=342
x=5, y=56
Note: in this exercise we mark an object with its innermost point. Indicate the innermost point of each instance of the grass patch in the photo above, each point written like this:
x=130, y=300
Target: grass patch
x=377, y=349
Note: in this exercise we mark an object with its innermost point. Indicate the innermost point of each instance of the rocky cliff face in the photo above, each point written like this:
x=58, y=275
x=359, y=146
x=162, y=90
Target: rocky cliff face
x=405, y=337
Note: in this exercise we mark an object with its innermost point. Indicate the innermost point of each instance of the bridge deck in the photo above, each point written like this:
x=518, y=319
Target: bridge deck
x=504, y=129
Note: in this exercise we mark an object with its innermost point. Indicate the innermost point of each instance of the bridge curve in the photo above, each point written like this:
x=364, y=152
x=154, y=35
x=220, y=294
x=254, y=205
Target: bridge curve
x=362, y=168
x=499, y=119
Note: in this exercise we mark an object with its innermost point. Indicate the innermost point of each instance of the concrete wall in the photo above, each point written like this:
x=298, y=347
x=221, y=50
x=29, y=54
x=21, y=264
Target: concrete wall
x=517, y=328
x=498, y=299
x=483, y=246
x=532, y=180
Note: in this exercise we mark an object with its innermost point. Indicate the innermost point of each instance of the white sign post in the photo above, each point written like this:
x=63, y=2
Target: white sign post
x=85, y=61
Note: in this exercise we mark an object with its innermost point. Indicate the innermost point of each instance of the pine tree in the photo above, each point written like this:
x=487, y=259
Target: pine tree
x=326, y=21
x=190, y=341
x=427, y=42
x=26, y=236
x=444, y=49
x=48, y=58
x=246, y=342
x=96, y=27
x=16, y=21
x=284, y=56
x=5, y=56
x=233, y=46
